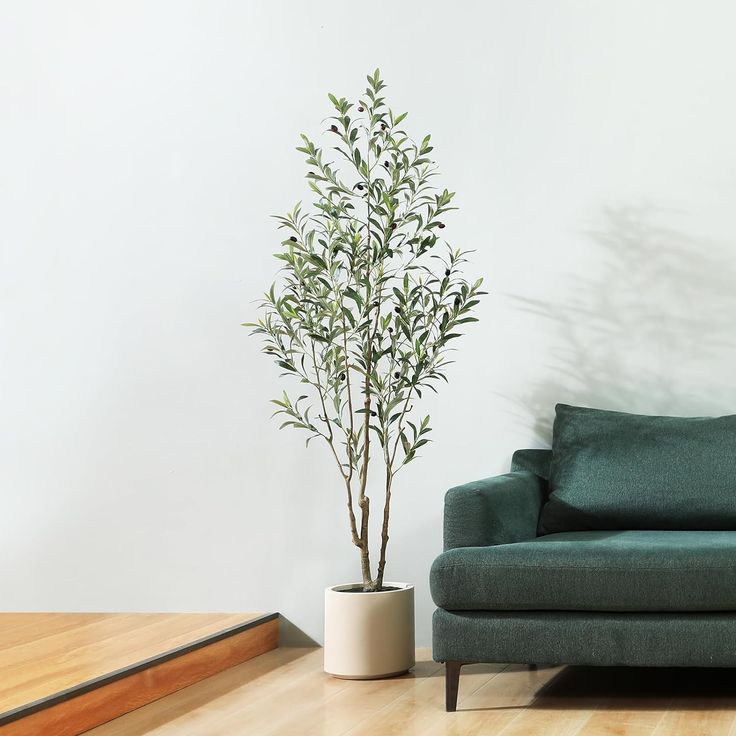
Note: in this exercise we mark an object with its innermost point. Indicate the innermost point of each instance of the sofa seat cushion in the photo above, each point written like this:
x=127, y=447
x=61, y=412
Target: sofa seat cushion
x=592, y=571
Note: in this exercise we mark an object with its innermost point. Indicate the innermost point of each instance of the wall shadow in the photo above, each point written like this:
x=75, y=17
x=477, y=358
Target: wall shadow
x=290, y=635
x=651, y=332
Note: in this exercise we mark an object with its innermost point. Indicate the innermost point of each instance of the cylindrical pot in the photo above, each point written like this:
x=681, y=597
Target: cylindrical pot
x=369, y=635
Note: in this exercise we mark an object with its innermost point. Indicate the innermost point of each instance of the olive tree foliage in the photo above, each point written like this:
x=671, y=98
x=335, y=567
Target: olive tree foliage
x=367, y=303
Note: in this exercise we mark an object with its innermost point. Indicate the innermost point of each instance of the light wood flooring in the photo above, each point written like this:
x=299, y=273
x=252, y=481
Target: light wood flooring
x=44, y=653
x=285, y=693
x=61, y=674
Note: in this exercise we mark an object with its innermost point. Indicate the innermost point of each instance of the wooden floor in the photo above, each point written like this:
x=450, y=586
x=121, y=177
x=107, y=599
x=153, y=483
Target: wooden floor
x=44, y=653
x=285, y=693
x=63, y=673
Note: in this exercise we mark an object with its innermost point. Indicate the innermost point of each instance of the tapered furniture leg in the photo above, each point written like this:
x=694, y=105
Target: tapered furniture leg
x=452, y=681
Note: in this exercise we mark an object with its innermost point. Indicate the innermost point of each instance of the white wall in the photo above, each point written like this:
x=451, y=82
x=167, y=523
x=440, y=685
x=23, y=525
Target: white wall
x=143, y=146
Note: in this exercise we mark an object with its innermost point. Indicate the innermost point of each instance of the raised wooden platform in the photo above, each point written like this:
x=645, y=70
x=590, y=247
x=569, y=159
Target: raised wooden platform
x=64, y=673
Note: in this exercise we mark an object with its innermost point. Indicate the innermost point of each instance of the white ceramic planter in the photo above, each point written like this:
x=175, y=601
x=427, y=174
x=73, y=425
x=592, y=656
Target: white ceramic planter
x=369, y=635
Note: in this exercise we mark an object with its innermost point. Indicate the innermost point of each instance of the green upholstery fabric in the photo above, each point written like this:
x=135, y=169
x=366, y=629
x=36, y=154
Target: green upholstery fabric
x=535, y=461
x=624, y=471
x=592, y=571
x=496, y=510
x=551, y=637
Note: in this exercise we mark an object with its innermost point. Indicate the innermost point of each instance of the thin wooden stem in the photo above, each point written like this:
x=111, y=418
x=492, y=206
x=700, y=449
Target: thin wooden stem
x=384, y=528
x=331, y=443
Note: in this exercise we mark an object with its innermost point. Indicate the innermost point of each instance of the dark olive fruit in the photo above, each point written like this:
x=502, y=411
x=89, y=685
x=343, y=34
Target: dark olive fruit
x=360, y=109
x=373, y=414
x=342, y=376
x=293, y=239
x=447, y=272
x=390, y=330
x=397, y=374
x=359, y=187
x=397, y=310
x=393, y=226
x=385, y=163
x=333, y=128
x=375, y=304
x=383, y=126
x=441, y=226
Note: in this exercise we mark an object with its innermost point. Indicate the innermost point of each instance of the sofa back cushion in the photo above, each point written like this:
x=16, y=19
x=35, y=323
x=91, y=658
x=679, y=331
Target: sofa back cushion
x=625, y=471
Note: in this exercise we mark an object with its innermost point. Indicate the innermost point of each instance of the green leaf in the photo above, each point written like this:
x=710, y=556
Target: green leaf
x=317, y=261
x=352, y=294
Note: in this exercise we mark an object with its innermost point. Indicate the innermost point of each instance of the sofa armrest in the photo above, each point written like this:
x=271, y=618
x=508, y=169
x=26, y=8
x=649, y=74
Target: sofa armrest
x=497, y=510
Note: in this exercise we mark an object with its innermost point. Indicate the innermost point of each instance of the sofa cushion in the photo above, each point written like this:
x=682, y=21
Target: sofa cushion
x=624, y=471
x=592, y=571
x=592, y=638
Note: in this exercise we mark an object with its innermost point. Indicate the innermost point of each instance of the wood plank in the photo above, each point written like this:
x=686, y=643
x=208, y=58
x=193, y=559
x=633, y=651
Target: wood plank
x=289, y=695
x=495, y=704
x=254, y=681
x=691, y=719
x=543, y=718
x=250, y=700
x=604, y=727
x=340, y=712
x=44, y=654
x=21, y=628
x=82, y=712
x=614, y=717
x=421, y=709
x=254, y=714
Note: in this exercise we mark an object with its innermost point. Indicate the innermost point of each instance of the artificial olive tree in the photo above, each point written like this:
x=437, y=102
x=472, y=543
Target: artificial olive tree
x=367, y=302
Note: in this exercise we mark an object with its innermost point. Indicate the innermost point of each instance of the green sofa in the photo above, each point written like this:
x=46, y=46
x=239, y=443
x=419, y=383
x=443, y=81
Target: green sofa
x=615, y=547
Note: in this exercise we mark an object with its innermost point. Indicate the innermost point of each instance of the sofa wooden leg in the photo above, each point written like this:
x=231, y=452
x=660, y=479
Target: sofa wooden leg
x=452, y=682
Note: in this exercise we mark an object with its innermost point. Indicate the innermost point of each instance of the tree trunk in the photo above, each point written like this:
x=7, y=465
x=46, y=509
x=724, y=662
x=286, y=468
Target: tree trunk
x=384, y=529
x=365, y=567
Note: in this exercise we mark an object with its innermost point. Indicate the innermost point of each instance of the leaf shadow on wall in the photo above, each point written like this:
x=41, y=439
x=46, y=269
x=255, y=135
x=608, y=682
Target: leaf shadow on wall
x=652, y=332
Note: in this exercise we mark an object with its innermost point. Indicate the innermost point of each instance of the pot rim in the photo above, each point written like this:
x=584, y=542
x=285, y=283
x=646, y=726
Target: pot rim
x=402, y=588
